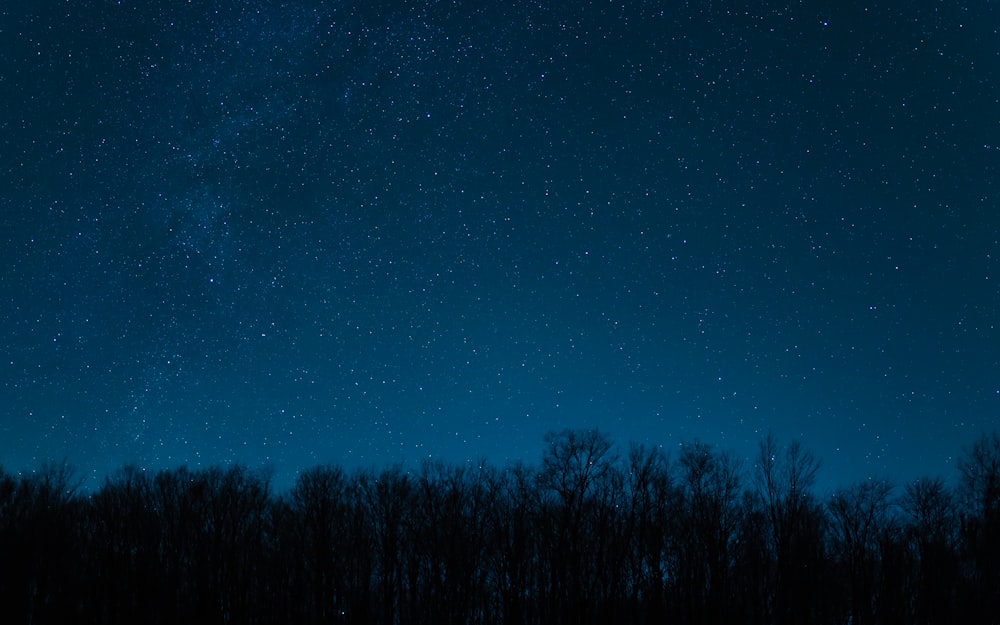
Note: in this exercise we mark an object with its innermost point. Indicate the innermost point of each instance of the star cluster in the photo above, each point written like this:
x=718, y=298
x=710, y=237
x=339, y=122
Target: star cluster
x=290, y=233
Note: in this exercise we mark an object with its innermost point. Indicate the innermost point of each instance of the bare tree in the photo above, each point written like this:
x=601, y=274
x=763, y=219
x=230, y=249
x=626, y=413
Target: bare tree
x=707, y=526
x=859, y=516
x=125, y=532
x=512, y=560
x=387, y=501
x=577, y=467
x=320, y=502
x=784, y=479
x=979, y=469
x=652, y=497
x=39, y=545
x=573, y=464
x=930, y=531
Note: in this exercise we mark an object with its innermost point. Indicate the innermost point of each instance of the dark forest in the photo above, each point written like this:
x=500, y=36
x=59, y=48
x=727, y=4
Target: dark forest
x=592, y=534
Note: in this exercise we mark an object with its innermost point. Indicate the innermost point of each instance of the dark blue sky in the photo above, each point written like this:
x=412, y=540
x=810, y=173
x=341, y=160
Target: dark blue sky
x=301, y=232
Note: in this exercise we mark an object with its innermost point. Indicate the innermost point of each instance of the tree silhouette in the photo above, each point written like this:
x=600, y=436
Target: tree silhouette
x=387, y=500
x=931, y=524
x=125, y=533
x=784, y=479
x=322, y=510
x=706, y=531
x=578, y=474
x=979, y=489
x=39, y=546
x=587, y=536
x=512, y=520
x=652, y=499
x=858, y=517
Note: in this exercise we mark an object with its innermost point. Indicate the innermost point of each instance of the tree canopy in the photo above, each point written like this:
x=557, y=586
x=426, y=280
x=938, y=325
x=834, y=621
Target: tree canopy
x=593, y=534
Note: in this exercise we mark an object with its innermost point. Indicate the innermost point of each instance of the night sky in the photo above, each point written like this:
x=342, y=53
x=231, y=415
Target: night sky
x=301, y=232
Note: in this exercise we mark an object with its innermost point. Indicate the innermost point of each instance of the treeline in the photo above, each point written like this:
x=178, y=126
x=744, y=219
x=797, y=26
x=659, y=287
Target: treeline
x=592, y=534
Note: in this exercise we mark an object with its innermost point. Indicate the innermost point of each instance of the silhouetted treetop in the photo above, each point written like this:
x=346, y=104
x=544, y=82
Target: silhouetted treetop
x=588, y=536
